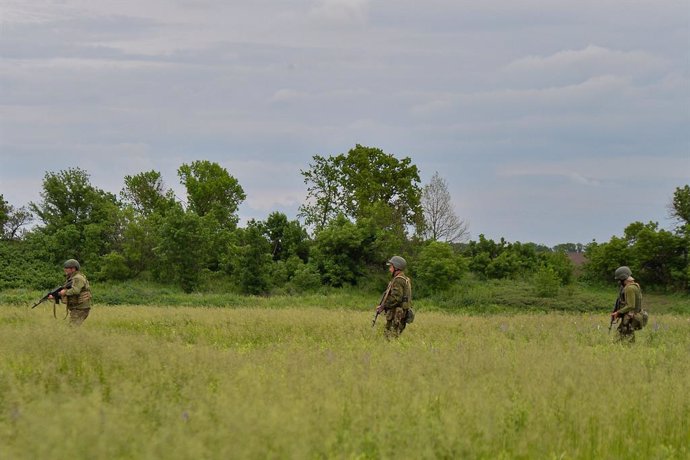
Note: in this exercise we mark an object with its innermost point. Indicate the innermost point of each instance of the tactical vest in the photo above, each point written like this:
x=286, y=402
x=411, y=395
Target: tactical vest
x=638, y=297
x=407, y=292
x=407, y=297
x=81, y=300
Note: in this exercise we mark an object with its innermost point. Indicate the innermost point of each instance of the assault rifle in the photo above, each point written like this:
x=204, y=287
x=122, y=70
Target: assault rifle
x=56, y=296
x=383, y=298
x=616, y=307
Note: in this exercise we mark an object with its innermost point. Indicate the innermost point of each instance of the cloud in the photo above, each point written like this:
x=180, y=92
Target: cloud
x=572, y=66
x=341, y=12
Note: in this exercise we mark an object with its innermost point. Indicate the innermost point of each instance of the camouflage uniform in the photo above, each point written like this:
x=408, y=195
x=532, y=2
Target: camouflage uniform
x=78, y=298
x=396, y=303
x=630, y=302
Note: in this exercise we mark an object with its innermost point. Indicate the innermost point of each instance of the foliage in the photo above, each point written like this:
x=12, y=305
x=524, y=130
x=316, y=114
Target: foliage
x=356, y=183
x=254, y=260
x=339, y=252
x=680, y=206
x=656, y=257
x=287, y=238
x=436, y=268
x=546, y=282
x=211, y=190
x=146, y=193
x=182, y=249
x=114, y=267
x=83, y=221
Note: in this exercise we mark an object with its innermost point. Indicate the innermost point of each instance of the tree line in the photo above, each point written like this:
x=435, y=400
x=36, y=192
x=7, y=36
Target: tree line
x=361, y=207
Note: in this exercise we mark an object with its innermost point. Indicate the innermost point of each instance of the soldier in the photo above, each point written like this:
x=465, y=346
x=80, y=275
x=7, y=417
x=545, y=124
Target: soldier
x=78, y=295
x=397, y=299
x=629, y=305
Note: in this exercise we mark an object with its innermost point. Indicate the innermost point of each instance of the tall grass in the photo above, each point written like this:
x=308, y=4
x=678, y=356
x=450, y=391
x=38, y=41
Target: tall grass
x=151, y=382
x=470, y=296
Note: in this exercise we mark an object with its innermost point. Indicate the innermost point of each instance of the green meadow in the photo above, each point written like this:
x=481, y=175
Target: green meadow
x=195, y=382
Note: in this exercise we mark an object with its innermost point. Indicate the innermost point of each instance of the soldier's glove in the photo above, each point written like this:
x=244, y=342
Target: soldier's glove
x=379, y=309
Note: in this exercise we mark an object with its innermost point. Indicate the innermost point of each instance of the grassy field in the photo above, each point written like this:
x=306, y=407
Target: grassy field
x=179, y=382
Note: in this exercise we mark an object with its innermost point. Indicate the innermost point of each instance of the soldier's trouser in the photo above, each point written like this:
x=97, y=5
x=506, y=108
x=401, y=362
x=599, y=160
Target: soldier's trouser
x=78, y=315
x=626, y=329
x=395, y=322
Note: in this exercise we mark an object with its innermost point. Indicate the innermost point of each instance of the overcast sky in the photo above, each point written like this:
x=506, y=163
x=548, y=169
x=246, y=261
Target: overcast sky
x=551, y=121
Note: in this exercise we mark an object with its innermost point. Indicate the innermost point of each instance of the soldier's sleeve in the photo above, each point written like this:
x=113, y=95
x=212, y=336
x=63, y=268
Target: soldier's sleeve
x=78, y=283
x=629, y=296
x=395, y=296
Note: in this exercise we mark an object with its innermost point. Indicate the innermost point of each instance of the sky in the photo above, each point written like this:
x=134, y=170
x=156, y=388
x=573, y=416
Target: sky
x=550, y=121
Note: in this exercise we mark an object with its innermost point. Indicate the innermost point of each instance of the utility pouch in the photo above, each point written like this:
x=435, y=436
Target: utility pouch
x=409, y=317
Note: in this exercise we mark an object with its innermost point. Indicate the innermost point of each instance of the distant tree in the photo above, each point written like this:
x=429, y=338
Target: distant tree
x=569, y=247
x=146, y=193
x=12, y=220
x=680, y=206
x=440, y=221
x=212, y=190
x=340, y=251
x=83, y=221
x=287, y=238
x=324, y=192
x=657, y=257
x=358, y=184
x=182, y=251
x=254, y=260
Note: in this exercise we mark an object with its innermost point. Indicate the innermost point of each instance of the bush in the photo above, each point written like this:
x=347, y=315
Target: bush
x=437, y=268
x=114, y=267
x=306, y=278
x=546, y=282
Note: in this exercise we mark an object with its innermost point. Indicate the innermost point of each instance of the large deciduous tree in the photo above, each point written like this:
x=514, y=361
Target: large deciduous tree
x=146, y=193
x=359, y=185
x=440, y=221
x=83, y=221
x=324, y=192
x=211, y=190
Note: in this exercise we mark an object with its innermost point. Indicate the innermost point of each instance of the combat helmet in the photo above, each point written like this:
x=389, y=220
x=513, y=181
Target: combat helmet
x=622, y=273
x=398, y=262
x=72, y=263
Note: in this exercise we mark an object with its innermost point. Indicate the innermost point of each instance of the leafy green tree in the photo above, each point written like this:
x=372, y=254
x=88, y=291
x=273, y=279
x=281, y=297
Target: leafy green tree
x=656, y=257
x=604, y=258
x=372, y=176
x=211, y=190
x=339, y=252
x=182, y=251
x=146, y=193
x=325, y=193
x=437, y=267
x=73, y=208
x=255, y=260
x=287, y=238
x=559, y=264
x=569, y=247
x=356, y=184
